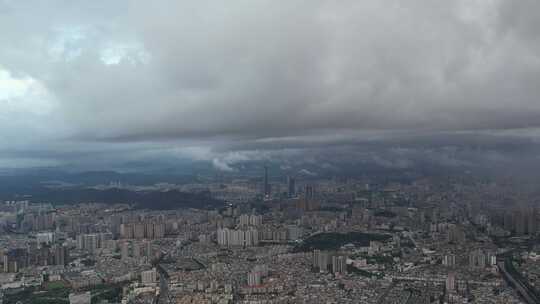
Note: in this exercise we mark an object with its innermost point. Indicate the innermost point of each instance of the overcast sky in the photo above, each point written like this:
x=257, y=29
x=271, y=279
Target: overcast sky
x=100, y=79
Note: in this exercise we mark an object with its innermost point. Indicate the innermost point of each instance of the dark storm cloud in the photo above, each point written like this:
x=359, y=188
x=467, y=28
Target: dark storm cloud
x=251, y=75
x=396, y=139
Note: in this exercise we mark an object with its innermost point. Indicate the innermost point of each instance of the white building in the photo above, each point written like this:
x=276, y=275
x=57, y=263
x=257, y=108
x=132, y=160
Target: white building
x=232, y=237
x=45, y=238
x=149, y=276
x=80, y=298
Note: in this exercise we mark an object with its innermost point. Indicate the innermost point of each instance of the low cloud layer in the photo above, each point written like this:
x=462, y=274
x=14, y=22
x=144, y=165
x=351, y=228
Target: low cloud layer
x=262, y=75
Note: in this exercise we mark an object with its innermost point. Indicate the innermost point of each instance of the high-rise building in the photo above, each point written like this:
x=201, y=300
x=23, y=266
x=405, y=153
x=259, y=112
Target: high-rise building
x=294, y=232
x=450, y=283
x=148, y=251
x=491, y=259
x=88, y=242
x=291, y=183
x=320, y=260
x=255, y=220
x=139, y=231
x=15, y=259
x=456, y=234
x=477, y=258
x=309, y=192
x=45, y=238
x=5, y=260
x=61, y=255
x=520, y=221
x=532, y=225
x=267, y=189
x=339, y=265
x=92, y=242
x=255, y=276
x=126, y=230
x=147, y=228
x=254, y=279
x=449, y=260
x=149, y=276
x=159, y=230
x=246, y=220
x=232, y=237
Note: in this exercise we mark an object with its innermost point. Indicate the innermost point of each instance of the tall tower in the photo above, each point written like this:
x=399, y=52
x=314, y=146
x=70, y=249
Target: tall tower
x=291, y=186
x=266, y=184
x=309, y=193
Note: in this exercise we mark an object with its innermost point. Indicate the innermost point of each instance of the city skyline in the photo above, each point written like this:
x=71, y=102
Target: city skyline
x=269, y=152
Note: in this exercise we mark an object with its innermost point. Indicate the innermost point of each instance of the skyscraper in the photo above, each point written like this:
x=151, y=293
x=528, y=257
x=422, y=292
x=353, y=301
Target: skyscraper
x=320, y=260
x=450, y=283
x=309, y=193
x=339, y=264
x=266, y=184
x=291, y=186
x=61, y=255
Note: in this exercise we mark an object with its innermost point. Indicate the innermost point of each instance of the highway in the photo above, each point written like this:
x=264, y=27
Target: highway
x=510, y=274
x=513, y=277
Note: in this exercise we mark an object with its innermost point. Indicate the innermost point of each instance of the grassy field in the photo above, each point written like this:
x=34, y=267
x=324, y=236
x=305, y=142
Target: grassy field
x=58, y=293
x=333, y=240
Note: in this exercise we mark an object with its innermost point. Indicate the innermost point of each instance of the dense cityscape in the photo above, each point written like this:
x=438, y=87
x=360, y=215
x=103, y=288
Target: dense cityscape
x=269, y=152
x=280, y=240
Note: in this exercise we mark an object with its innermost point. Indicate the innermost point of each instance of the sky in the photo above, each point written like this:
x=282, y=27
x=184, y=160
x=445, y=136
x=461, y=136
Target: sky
x=95, y=83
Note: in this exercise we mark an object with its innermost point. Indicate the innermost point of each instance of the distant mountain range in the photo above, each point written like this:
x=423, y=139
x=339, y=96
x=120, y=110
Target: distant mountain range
x=157, y=200
x=34, y=186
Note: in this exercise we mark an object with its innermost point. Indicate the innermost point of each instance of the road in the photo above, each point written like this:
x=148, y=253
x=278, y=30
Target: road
x=515, y=279
x=512, y=276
